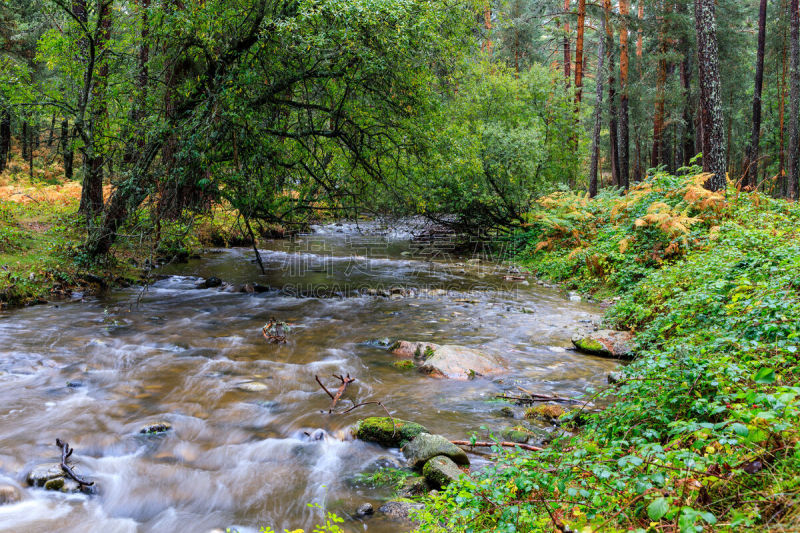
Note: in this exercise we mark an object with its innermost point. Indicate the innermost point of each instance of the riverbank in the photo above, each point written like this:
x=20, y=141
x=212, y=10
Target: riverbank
x=41, y=234
x=702, y=432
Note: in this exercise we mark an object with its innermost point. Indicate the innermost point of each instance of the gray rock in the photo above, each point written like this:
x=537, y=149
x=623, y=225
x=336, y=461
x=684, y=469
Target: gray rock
x=426, y=446
x=605, y=343
x=9, y=494
x=461, y=363
x=399, y=510
x=364, y=509
x=209, y=283
x=44, y=473
x=441, y=471
x=614, y=378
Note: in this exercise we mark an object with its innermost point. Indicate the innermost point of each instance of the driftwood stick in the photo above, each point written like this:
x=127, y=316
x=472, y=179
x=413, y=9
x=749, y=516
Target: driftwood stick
x=505, y=444
x=538, y=398
x=345, y=382
x=323, y=387
x=66, y=453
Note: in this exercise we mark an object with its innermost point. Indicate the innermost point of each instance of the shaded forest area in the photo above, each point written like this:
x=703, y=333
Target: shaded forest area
x=464, y=111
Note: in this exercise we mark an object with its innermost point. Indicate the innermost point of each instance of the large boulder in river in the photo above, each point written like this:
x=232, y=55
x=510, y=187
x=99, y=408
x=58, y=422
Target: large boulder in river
x=389, y=432
x=605, y=343
x=448, y=361
x=426, y=446
x=440, y=471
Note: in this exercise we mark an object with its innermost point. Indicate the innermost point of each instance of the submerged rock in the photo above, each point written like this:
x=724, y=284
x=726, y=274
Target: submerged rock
x=605, y=343
x=399, y=510
x=440, y=471
x=426, y=446
x=392, y=433
x=155, y=428
x=9, y=494
x=364, y=509
x=252, y=386
x=209, y=283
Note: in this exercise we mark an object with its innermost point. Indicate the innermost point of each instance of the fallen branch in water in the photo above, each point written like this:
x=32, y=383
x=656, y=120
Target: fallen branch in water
x=534, y=398
x=66, y=452
x=505, y=444
x=343, y=387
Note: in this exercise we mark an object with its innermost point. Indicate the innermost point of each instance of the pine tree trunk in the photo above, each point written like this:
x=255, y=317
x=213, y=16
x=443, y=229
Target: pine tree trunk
x=711, y=93
x=612, y=96
x=487, y=23
x=751, y=162
x=782, y=119
x=690, y=133
x=598, y=116
x=66, y=149
x=51, y=134
x=567, y=51
x=657, y=157
x=794, y=102
x=624, y=153
x=579, y=53
x=5, y=137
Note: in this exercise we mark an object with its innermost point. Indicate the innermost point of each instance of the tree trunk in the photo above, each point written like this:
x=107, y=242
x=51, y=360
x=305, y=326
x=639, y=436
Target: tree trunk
x=598, y=115
x=782, y=119
x=624, y=153
x=92, y=194
x=794, y=102
x=657, y=158
x=24, y=139
x=750, y=178
x=567, y=51
x=66, y=149
x=579, y=54
x=51, y=133
x=686, y=81
x=5, y=137
x=711, y=93
x=487, y=23
x=612, y=96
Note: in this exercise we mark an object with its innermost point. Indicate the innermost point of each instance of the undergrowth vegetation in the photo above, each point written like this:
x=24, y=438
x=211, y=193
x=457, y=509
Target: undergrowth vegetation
x=702, y=430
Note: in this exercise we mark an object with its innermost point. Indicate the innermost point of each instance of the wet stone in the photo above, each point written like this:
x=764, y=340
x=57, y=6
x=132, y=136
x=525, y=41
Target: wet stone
x=426, y=446
x=364, y=509
x=9, y=494
x=44, y=473
x=252, y=386
x=156, y=428
x=399, y=510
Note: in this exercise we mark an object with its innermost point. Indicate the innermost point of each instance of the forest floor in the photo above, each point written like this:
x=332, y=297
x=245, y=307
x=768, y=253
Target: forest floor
x=703, y=429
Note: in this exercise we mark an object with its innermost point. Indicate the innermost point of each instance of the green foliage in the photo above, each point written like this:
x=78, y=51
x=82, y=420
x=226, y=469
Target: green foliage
x=702, y=430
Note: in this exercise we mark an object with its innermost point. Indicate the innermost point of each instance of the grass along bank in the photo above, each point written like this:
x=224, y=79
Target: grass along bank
x=702, y=431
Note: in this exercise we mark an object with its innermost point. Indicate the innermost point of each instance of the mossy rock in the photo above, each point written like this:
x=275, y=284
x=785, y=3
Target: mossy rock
x=405, y=364
x=517, y=434
x=392, y=433
x=441, y=471
x=605, y=343
x=549, y=413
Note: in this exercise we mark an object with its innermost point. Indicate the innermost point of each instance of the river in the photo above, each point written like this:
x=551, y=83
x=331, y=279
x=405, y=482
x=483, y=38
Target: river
x=94, y=371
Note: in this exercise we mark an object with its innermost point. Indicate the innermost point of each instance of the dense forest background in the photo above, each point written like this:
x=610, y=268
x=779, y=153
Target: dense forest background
x=465, y=111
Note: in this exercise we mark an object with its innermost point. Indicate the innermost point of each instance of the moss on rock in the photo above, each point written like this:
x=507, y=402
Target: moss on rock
x=392, y=433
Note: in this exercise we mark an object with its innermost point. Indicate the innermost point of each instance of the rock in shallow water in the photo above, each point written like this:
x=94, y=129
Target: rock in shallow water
x=399, y=510
x=155, y=428
x=426, y=446
x=605, y=343
x=9, y=494
x=441, y=471
x=448, y=361
x=44, y=473
x=252, y=386
x=392, y=433
x=364, y=509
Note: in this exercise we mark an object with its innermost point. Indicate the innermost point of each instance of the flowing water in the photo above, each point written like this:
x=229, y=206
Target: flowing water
x=94, y=372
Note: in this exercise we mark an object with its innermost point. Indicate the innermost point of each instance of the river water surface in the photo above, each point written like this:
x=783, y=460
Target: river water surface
x=93, y=372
